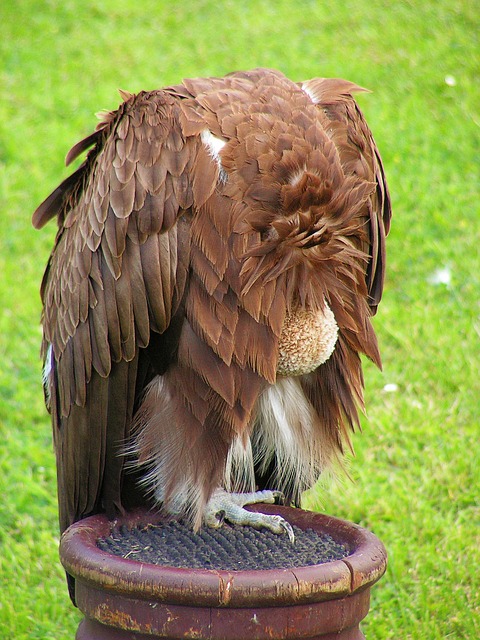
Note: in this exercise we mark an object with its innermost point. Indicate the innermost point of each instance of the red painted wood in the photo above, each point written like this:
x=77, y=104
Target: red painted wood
x=125, y=599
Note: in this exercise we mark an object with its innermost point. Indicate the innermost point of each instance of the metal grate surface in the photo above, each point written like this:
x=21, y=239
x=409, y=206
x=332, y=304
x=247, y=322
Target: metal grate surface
x=232, y=548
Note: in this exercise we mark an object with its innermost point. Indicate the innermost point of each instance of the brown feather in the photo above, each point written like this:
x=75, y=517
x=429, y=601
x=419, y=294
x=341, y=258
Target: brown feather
x=206, y=220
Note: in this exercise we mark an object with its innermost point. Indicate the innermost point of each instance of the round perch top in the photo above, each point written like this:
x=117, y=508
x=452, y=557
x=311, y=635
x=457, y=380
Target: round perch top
x=229, y=548
x=365, y=563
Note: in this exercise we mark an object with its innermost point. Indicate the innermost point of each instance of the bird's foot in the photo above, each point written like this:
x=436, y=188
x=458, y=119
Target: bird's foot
x=229, y=506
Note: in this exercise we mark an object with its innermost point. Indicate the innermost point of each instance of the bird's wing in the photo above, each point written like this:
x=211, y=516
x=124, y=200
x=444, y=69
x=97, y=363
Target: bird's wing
x=117, y=273
x=227, y=350
x=336, y=388
x=346, y=126
x=146, y=261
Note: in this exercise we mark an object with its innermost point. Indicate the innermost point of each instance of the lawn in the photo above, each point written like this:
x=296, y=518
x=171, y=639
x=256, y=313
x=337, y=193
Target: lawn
x=416, y=470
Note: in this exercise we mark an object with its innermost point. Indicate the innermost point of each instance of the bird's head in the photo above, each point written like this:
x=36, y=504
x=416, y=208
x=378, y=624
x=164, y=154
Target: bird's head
x=306, y=232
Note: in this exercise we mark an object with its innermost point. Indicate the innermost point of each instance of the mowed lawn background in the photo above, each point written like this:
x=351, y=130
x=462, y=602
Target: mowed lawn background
x=416, y=471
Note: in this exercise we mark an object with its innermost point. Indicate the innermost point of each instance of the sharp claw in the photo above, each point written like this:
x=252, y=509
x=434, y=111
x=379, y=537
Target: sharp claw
x=220, y=517
x=288, y=528
x=279, y=497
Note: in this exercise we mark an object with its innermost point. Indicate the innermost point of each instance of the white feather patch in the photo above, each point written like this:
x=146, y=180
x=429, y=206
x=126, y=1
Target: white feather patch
x=283, y=430
x=310, y=93
x=47, y=374
x=239, y=471
x=214, y=145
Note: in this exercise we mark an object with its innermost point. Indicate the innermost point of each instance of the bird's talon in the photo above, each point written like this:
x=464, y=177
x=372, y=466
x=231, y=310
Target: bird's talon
x=288, y=528
x=220, y=517
x=279, y=497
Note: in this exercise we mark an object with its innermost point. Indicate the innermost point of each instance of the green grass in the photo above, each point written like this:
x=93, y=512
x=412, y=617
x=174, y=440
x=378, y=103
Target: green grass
x=416, y=477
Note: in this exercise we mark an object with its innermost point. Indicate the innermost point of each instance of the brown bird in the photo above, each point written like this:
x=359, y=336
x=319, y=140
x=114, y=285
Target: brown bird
x=219, y=255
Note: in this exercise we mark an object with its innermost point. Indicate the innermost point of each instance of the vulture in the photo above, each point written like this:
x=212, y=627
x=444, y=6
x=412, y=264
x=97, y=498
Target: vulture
x=219, y=256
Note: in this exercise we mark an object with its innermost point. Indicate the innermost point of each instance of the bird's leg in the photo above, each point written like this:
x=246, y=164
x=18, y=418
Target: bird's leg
x=229, y=506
